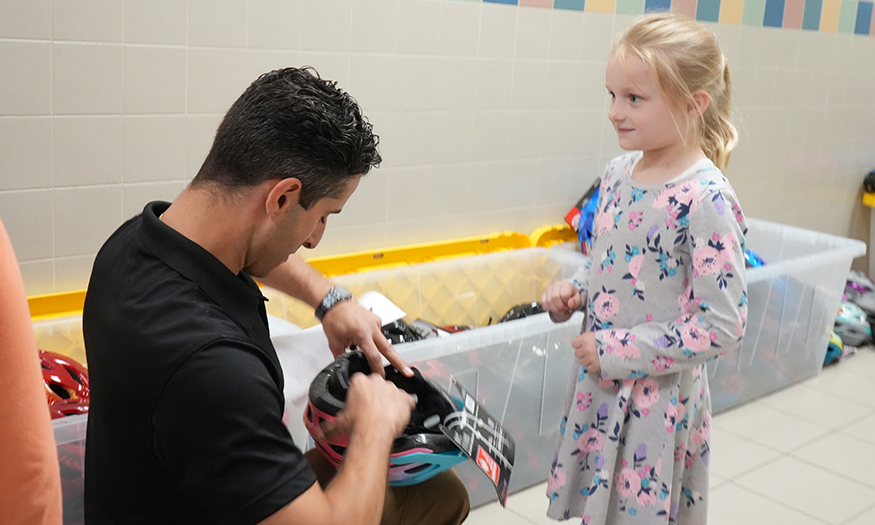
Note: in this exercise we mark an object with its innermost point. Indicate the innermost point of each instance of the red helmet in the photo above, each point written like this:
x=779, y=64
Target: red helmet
x=66, y=384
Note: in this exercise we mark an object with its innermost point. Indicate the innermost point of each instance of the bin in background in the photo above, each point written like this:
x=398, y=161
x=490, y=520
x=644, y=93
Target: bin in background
x=70, y=440
x=792, y=305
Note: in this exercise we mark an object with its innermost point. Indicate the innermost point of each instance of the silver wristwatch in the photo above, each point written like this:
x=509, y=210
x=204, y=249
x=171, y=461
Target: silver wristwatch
x=335, y=295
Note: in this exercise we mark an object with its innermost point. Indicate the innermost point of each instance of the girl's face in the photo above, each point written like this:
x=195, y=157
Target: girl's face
x=642, y=118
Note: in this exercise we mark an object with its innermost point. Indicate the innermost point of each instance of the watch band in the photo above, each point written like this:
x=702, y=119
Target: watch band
x=335, y=295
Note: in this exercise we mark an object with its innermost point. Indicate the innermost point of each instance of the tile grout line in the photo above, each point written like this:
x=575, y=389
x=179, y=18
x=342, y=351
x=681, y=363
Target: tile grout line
x=778, y=502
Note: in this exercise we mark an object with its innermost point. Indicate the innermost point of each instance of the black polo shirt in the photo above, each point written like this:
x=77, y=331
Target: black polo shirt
x=185, y=424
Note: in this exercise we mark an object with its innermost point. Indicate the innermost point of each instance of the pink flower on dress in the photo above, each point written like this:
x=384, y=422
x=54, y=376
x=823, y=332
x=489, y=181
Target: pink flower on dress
x=591, y=440
x=686, y=304
x=741, y=324
x=694, y=338
x=645, y=392
x=646, y=498
x=671, y=414
x=628, y=483
x=707, y=260
x=619, y=342
x=606, y=306
x=685, y=193
x=605, y=222
x=661, y=200
x=584, y=400
x=701, y=434
x=635, y=265
x=556, y=481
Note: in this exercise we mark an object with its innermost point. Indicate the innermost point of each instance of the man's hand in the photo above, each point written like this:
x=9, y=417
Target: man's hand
x=376, y=402
x=348, y=324
x=561, y=299
x=586, y=351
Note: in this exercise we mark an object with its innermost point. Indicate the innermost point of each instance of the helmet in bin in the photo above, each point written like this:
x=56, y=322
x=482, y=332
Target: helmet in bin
x=522, y=310
x=398, y=332
x=66, y=383
x=419, y=453
x=852, y=325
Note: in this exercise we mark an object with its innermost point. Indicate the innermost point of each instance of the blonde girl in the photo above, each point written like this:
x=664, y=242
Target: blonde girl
x=664, y=292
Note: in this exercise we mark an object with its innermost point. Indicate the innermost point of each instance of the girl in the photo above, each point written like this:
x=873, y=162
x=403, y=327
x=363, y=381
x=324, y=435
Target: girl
x=664, y=293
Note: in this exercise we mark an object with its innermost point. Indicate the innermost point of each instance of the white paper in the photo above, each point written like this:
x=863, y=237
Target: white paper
x=385, y=309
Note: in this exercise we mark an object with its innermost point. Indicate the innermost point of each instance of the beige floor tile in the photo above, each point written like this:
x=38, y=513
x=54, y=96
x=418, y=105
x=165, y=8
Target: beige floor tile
x=493, y=513
x=816, y=405
x=531, y=504
x=733, y=505
x=840, y=382
x=768, y=426
x=863, y=429
x=867, y=518
x=811, y=490
x=862, y=363
x=844, y=455
x=732, y=455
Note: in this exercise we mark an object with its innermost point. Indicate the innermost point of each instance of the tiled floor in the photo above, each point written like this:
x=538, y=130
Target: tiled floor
x=801, y=456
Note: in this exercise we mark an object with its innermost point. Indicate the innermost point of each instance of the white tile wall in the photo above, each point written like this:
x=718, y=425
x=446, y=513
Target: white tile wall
x=496, y=113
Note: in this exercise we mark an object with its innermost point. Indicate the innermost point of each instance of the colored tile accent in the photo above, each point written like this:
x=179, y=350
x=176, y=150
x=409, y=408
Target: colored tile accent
x=708, y=11
x=600, y=6
x=843, y=16
x=829, y=16
x=731, y=11
x=872, y=25
x=537, y=3
x=656, y=5
x=864, y=18
x=572, y=5
x=754, y=12
x=848, y=16
x=630, y=7
x=794, y=12
x=774, y=14
x=811, y=20
x=684, y=7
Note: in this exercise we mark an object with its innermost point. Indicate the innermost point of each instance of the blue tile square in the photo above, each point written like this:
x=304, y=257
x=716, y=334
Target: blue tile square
x=811, y=15
x=708, y=11
x=774, y=15
x=656, y=5
x=573, y=5
x=864, y=18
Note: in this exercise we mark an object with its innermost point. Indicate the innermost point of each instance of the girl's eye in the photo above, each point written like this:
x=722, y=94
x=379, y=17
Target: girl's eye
x=322, y=220
x=634, y=98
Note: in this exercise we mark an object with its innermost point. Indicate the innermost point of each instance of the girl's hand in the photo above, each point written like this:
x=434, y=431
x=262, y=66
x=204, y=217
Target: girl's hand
x=561, y=299
x=586, y=352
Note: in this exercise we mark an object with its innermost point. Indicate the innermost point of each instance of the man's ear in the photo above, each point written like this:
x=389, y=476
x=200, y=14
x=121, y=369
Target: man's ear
x=284, y=194
x=701, y=101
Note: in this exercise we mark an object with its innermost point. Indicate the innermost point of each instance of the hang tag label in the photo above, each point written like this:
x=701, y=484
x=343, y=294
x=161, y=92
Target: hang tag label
x=482, y=439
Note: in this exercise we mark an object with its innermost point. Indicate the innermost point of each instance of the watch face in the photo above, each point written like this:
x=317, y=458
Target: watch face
x=334, y=296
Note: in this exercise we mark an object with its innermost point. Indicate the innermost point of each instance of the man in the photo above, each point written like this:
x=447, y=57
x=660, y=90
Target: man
x=186, y=389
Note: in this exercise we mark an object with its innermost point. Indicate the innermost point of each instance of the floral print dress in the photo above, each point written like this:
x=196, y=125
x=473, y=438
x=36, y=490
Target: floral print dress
x=664, y=293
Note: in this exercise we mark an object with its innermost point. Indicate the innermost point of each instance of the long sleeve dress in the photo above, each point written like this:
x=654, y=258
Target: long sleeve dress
x=664, y=293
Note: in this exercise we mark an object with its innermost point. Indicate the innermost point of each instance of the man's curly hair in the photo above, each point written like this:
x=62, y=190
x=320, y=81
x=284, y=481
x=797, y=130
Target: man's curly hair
x=291, y=123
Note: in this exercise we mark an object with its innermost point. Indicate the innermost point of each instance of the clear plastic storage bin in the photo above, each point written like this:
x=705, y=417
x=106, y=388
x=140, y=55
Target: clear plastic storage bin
x=792, y=305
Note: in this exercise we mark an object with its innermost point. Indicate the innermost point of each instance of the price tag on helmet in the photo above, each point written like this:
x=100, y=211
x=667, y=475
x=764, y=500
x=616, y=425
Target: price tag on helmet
x=482, y=439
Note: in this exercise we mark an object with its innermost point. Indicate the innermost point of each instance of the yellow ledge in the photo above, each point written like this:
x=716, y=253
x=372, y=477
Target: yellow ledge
x=66, y=304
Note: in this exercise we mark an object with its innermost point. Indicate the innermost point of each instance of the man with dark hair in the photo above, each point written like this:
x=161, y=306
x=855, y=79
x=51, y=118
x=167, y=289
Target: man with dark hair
x=185, y=424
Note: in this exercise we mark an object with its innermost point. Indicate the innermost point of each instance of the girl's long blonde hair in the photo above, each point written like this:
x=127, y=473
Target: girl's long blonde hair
x=684, y=57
